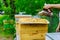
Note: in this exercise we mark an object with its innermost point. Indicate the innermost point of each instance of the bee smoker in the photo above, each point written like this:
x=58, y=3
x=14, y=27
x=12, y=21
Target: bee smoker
x=46, y=12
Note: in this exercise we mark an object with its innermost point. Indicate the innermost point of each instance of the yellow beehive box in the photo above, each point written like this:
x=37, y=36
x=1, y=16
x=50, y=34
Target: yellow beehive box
x=33, y=37
x=32, y=28
x=33, y=20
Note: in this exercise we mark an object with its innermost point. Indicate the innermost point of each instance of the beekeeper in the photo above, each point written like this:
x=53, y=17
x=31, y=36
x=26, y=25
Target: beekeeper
x=48, y=6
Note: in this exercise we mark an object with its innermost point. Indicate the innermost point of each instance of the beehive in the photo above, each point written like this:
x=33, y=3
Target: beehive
x=32, y=28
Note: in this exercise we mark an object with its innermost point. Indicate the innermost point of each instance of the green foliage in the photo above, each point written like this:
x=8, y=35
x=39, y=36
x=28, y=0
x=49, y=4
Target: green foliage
x=9, y=28
x=7, y=24
x=53, y=1
x=2, y=18
x=1, y=4
x=29, y=6
x=4, y=8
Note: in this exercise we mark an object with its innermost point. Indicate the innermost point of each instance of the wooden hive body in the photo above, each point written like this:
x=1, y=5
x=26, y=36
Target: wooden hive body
x=33, y=29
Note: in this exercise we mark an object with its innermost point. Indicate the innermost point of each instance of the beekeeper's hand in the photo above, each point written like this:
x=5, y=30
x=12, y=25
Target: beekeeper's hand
x=47, y=6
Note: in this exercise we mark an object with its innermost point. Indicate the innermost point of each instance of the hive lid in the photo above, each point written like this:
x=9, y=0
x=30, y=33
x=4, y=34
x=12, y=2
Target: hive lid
x=23, y=16
x=33, y=21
